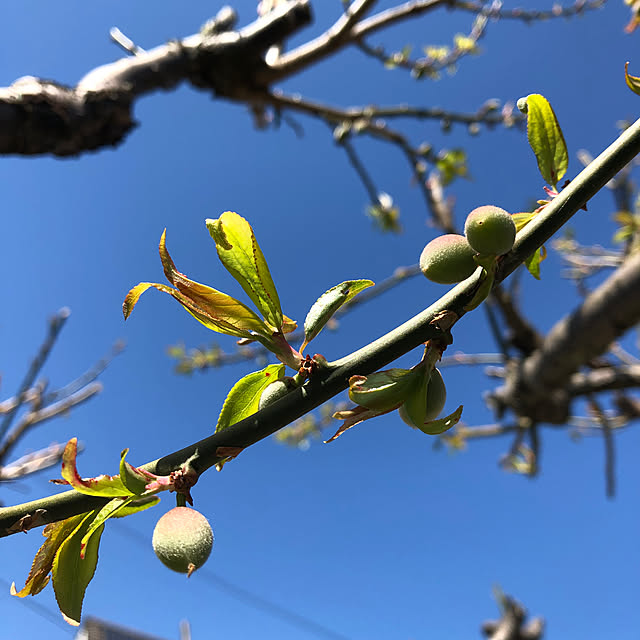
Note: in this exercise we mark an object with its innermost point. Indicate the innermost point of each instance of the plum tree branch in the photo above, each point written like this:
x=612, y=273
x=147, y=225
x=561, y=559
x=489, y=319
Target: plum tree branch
x=333, y=378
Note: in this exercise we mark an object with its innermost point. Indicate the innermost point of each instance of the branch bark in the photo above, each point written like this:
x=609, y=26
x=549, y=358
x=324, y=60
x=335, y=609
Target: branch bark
x=542, y=385
x=41, y=117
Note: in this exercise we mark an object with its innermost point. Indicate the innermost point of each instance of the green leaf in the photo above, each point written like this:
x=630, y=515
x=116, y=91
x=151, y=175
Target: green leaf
x=521, y=220
x=105, y=486
x=72, y=573
x=111, y=509
x=55, y=533
x=215, y=310
x=135, y=505
x=327, y=304
x=436, y=427
x=633, y=82
x=533, y=262
x=452, y=163
x=545, y=138
x=132, y=478
x=240, y=253
x=243, y=399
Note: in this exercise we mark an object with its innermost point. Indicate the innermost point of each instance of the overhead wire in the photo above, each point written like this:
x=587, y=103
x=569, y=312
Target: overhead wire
x=41, y=610
x=245, y=596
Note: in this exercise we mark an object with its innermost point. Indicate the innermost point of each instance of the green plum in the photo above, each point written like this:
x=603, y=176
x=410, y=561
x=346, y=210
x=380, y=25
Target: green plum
x=448, y=259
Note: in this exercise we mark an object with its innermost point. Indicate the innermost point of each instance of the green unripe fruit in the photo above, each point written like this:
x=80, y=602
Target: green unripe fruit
x=273, y=392
x=183, y=539
x=448, y=259
x=436, y=397
x=490, y=230
x=382, y=391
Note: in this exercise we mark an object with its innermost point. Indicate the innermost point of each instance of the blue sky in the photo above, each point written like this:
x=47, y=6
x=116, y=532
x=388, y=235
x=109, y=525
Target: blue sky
x=375, y=535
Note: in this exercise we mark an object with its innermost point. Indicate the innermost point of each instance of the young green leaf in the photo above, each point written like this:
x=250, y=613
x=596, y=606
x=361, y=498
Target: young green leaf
x=327, y=304
x=533, y=262
x=436, y=427
x=522, y=219
x=215, y=310
x=633, y=82
x=73, y=573
x=545, y=137
x=111, y=509
x=133, y=479
x=135, y=505
x=55, y=533
x=240, y=253
x=105, y=486
x=244, y=398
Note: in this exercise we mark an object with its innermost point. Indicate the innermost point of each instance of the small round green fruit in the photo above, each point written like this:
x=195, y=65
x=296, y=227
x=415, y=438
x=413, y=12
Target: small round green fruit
x=490, y=230
x=183, y=539
x=273, y=392
x=448, y=259
x=436, y=397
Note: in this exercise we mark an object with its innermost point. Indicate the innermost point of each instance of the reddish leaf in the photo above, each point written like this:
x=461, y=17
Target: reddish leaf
x=106, y=486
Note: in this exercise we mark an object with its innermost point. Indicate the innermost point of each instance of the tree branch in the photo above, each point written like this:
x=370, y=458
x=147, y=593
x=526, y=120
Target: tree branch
x=333, y=378
x=55, y=326
x=40, y=116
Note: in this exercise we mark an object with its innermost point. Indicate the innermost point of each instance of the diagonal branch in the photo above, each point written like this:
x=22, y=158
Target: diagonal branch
x=333, y=378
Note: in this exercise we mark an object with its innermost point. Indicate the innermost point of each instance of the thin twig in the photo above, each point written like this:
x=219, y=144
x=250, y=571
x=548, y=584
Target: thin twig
x=609, y=446
x=33, y=418
x=55, y=326
x=360, y=169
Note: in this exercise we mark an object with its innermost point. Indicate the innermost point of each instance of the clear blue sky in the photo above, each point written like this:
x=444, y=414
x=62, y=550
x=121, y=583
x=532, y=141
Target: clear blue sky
x=375, y=535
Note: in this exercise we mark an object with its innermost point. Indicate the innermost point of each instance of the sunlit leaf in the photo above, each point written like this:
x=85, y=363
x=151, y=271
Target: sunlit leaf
x=240, y=253
x=105, y=486
x=436, y=427
x=327, y=304
x=55, y=534
x=133, y=479
x=215, y=310
x=72, y=573
x=533, y=262
x=243, y=399
x=545, y=137
x=521, y=220
x=135, y=505
x=633, y=82
x=219, y=308
x=452, y=163
x=110, y=510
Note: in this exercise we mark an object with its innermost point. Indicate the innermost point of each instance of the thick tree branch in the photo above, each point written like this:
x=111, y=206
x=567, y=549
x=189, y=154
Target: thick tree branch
x=538, y=389
x=38, y=116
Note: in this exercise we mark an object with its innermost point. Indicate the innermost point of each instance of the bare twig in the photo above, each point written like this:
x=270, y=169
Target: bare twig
x=609, y=446
x=33, y=418
x=32, y=462
x=55, y=326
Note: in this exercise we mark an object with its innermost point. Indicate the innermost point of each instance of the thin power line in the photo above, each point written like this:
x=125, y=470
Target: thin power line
x=245, y=596
x=41, y=610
